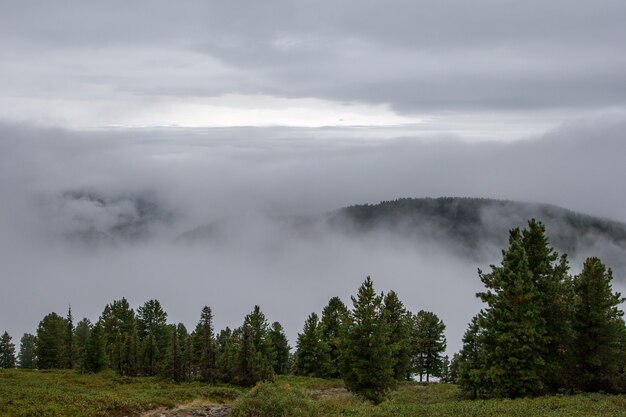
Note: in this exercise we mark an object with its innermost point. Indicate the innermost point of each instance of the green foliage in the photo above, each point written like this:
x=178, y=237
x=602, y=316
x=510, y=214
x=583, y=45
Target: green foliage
x=334, y=316
x=429, y=343
x=280, y=349
x=254, y=360
x=366, y=356
x=95, y=359
x=513, y=335
x=204, y=346
x=555, y=302
x=65, y=393
x=51, y=348
x=312, y=354
x=273, y=400
x=152, y=331
x=400, y=323
x=27, y=358
x=469, y=362
x=600, y=328
x=120, y=336
x=7, y=352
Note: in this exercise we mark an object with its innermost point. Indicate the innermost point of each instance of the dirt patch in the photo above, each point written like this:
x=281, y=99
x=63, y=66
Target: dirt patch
x=194, y=409
x=316, y=394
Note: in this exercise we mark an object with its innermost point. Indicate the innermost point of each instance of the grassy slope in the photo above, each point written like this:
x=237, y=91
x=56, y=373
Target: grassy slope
x=63, y=393
x=66, y=393
x=442, y=400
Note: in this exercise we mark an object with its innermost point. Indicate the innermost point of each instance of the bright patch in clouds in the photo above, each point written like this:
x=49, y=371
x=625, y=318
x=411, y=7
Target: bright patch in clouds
x=222, y=111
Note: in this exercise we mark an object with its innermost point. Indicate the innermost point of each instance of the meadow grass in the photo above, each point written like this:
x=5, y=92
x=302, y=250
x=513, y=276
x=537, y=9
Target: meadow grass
x=70, y=394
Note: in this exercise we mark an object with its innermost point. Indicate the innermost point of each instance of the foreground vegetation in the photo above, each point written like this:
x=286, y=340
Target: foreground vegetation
x=68, y=393
x=71, y=394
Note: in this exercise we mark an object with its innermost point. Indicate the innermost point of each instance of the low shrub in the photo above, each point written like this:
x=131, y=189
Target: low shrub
x=274, y=400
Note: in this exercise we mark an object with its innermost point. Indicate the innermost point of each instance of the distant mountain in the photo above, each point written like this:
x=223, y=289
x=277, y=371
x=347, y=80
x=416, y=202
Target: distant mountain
x=87, y=216
x=472, y=227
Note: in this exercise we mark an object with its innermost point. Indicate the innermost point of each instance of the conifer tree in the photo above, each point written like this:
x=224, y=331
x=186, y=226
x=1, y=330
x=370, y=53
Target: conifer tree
x=204, y=346
x=119, y=328
x=445, y=370
x=152, y=331
x=280, y=349
x=51, y=342
x=429, y=343
x=27, y=359
x=255, y=356
x=227, y=348
x=399, y=321
x=366, y=356
x=469, y=364
x=70, y=339
x=312, y=354
x=555, y=301
x=175, y=368
x=334, y=316
x=513, y=331
x=81, y=334
x=600, y=328
x=7, y=352
x=95, y=358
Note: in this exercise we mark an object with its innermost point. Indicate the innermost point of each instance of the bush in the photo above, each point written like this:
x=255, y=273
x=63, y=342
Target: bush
x=273, y=400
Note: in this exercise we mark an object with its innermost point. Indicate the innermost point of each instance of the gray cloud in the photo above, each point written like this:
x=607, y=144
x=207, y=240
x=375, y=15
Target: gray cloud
x=200, y=175
x=424, y=56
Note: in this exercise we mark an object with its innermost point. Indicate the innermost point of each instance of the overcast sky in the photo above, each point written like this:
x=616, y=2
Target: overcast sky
x=292, y=107
x=528, y=65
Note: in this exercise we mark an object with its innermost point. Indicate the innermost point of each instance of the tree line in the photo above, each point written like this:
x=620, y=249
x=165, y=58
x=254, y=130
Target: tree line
x=371, y=347
x=542, y=331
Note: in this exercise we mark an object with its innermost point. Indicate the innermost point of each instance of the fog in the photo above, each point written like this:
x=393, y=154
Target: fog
x=90, y=216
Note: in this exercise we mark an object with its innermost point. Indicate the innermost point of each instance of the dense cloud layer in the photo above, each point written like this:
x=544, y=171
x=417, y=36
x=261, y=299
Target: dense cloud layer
x=54, y=183
x=83, y=63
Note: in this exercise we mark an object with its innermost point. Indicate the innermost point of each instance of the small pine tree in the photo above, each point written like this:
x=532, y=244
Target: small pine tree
x=429, y=343
x=280, y=349
x=7, y=352
x=600, y=328
x=204, y=346
x=81, y=335
x=70, y=344
x=312, y=353
x=469, y=363
x=227, y=347
x=399, y=321
x=51, y=342
x=153, y=335
x=95, y=358
x=27, y=359
x=366, y=356
x=334, y=316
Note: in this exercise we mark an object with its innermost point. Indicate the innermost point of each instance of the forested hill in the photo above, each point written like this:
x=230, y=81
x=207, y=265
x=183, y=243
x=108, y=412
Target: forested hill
x=470, y=225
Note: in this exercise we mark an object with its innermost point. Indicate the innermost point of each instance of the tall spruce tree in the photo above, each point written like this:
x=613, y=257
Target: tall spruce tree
x=600, y=329
x=94, y=356
x=334, y=316
x=81, y=334
x=7, y=352
x=429, y=343
x=366, y=356
x=152, y=331
x=227, y=347
x=513, y=331
x=469, y=364
x=400, y=326
x=204, y=346
x=51, y=342
x=27, y=359
x=70, y=340
x=312, y=353
x=555, y=301
x=280, y=349
x=119, y=331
